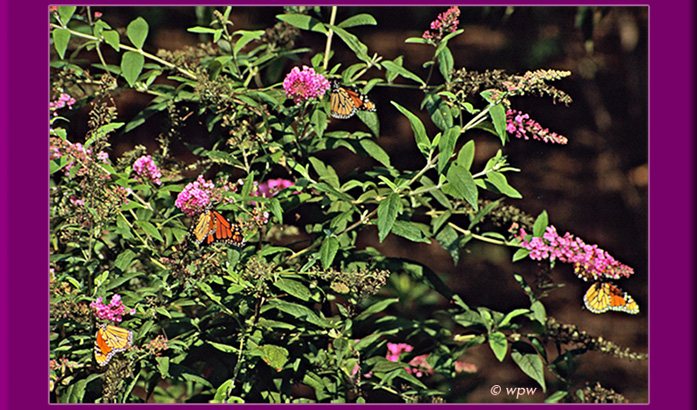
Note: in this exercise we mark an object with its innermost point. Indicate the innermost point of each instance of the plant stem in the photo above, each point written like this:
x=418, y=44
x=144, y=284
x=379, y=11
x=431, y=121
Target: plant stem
x=330, y=34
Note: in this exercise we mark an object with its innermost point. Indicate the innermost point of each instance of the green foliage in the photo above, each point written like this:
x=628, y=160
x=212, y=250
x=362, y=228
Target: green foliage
x=300, y=312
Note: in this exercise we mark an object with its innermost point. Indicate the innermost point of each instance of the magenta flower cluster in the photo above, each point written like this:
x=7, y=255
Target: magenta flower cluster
x=59, y=147
x=112, y=312
x=62, y=101
x=419, y=365
x=269, y=188
x=520, y=125
x=304, y=85
x=196, y=196
x=590, y=262
x=446, y=23
x=146, y=168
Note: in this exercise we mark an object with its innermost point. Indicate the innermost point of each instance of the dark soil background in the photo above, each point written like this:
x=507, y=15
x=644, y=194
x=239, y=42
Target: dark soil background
x=596, y=187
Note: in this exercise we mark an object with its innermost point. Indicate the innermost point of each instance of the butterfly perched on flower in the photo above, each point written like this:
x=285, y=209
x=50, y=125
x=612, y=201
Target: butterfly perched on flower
x=111, y=340
x=344, y=102
x=210, y=226
x=604, y=296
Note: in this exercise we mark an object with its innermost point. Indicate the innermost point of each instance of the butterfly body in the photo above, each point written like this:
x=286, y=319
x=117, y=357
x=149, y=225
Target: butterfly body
x=604, y=296
x=210, y=226
x=111, y=340
x=344, y=102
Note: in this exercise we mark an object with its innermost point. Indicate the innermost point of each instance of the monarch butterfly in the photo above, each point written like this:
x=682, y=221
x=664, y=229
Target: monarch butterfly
x=604, y=296
x=111, y=340
x=344, y=102
x=211, y=226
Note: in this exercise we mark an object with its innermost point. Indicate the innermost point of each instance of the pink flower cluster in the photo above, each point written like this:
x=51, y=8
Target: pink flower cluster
x=446, y=22
x=269, y=188
x=522, y=126
x=59, y=147
x=113, y=312
x=196, y=196
x=590, y=262
x=304, y=85
x=146, y=168
x=62, y=101
x=419, y=365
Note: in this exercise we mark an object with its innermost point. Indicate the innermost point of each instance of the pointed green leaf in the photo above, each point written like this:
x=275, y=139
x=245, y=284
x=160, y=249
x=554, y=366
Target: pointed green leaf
x=303, y=21
x=446, y=146
x=466, y=155
x=328, y=251
x=524, y=355
x=422, y=141
x=498, y=117
x=247, y=36
x=410, y=231
x=388, y=210
x=541, y=223
x=66, y=13
x=498, y=344
x=131, y=66
x=61, y=37
x=137, y=32
x=449, y=240
x=123, y=261
x=390, y=66
x=111, y=37
x=499, y=180
x=358, y=20
x=461, y=181
x=520, y=254
x=375, y=151
x=150, y=229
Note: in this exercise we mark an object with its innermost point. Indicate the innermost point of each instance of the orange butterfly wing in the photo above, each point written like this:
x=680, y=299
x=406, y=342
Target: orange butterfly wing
x=223, y=231
x=344, y=102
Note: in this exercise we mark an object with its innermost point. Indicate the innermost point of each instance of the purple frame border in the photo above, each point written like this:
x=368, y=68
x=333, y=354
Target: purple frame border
x=23, y=368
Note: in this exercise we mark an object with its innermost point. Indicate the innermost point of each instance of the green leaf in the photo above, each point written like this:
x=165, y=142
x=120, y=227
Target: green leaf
x=131, y=66
x=466, y=155
x=328, y=251
x=539, y=312
x=520, y=254
x=247, y=36
x=360, y=49
x=223, y=347
x=358, y=20
x=150, y=229
x=557, y=396
x=326, y=173
x=498, y=117
x=498, y=344
x=319, y=121
x=276, y=210
x=163, y=366
x=499, y=180
x=445, y=61
x=462, y=182
x=375, y=151
x=439, y=111
x=375, y=308
x=392, y=67
x=298, y=311
x=123, y=261
x=517, y=312
x=294, y=288
x=303, y=21
x=525, y=356
x=388, y=210
x=111, y=37
x=422, y=141
x=61, y=37
x=410, y=231
x=274, y=356
x=541, y=223
x=446, y=146
x=66, y=13
x=370, y=119
x=137, y=32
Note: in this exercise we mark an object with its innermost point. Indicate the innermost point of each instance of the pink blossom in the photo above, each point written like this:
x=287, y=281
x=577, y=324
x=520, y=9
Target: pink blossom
x=196, y=196
x=97, y=14
x=304, y=85
x=62, y=101
x=271, y=187
x=590, y=262
x=112, y=312
x=446, y=22
x=419, y=365
x=146, y=168
x=520, y=125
